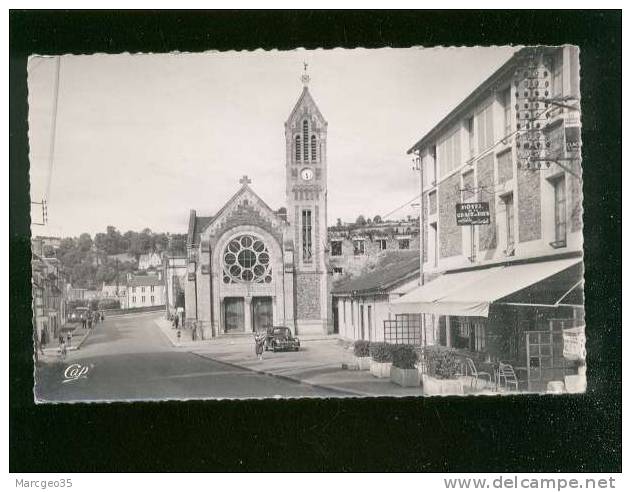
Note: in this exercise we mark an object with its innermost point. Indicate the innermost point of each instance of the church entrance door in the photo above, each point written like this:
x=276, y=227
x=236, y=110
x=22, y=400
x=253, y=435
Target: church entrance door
x=262, y=313
x=234, y=319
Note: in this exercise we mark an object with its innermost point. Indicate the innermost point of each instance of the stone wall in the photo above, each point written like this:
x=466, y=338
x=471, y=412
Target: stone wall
x=308, y=296
x=486, y=183
x=529, y=205
x=450, y=236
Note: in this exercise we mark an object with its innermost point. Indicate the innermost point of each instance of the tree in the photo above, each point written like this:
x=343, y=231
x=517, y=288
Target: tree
x=85, y=242
x=361, y=220
x=338, y=222
x=377, y=219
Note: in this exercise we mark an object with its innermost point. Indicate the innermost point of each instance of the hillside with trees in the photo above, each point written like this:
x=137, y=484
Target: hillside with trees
x=92, y=261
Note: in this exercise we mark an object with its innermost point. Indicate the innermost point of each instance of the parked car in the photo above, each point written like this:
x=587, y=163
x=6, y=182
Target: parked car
x=280, y=338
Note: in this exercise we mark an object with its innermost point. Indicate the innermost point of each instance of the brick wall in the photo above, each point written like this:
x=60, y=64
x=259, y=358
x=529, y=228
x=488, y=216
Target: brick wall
x=486, y=182
x=529, y=206
x=308, y=296
x=450, y=234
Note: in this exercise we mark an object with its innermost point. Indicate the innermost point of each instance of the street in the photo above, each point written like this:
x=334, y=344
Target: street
x=129, y=358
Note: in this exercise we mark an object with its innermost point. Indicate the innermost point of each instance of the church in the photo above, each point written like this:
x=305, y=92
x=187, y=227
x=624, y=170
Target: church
x=251, y=267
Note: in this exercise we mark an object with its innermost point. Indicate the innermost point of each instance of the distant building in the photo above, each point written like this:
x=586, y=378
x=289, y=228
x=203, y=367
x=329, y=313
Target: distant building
x=145, y=290
x=116, y=292
x=361, y=302
x=353, y=246
x=175, y=270
x=53, y=242
x=149, y=260
x=49, y=295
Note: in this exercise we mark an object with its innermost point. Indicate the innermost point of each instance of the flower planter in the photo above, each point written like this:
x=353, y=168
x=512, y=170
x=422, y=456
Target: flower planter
x=433, y=386
x=363, y=363
x=405, y=377
x=380, y=369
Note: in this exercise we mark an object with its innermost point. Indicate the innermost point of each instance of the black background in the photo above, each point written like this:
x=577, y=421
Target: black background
x=525, y=433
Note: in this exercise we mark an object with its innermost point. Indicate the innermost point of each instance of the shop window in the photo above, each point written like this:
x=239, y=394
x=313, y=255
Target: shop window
x=336, y=248
x=485, y=128
x=434, y=231
x=468, y=334
x=560, y=213
x=506, y=110
x=382, y=244
x=359, y=247
x=469, y=124
x=510, y=224
x=404, y=244
x=432, y=203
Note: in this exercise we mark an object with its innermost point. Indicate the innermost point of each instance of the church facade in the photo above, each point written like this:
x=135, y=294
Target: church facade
x=251, y=267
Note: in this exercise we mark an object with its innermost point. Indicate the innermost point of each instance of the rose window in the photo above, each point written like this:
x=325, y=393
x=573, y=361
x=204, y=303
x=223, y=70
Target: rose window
x=246, y=259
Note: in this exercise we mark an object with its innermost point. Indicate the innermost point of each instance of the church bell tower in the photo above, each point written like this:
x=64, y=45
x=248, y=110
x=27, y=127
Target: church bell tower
x=306, y=198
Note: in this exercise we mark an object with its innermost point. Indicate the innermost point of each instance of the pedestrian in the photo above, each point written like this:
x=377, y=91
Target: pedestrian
x=259, y=340
x=102, y=316
x=176, y=322
x=62, y=347
x=83, y=321
x=89, y=322
x=69, y=338
x=194, y=332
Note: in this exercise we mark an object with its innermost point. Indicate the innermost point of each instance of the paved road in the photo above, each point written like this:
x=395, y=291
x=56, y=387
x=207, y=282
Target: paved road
x=129, y=358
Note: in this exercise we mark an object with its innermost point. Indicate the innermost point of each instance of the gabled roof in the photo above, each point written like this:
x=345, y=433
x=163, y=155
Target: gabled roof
x=144, y=280
x=195, y=226
x=305, y=99
x=391, y=269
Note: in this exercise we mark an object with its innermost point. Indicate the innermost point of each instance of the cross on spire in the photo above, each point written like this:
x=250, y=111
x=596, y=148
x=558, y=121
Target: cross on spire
x=305, y=76
x=245, y=180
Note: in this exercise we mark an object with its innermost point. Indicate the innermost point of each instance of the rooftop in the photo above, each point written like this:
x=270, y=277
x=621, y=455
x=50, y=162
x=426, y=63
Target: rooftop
x=144, y=280
x=392, y=268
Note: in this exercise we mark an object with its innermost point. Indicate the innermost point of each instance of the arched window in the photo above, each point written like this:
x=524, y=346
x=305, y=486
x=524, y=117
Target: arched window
x=313, y=148
x=305, y=139
x=297, y=148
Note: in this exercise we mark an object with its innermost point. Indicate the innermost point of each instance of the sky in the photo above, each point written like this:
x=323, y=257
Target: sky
x=142, y=139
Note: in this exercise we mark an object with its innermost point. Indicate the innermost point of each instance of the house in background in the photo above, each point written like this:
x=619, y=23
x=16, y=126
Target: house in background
x=149, y=261
x=145, y=290
x=361, y=303
x=352, y=246
x=175, y=273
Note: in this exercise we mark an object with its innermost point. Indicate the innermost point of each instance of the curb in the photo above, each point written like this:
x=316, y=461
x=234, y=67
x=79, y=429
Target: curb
x=336, y=389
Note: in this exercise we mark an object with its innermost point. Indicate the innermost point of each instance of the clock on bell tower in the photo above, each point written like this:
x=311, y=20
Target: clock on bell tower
x=306, y=194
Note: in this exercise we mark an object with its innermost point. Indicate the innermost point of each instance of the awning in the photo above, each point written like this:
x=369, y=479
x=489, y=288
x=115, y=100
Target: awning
x=470, y=293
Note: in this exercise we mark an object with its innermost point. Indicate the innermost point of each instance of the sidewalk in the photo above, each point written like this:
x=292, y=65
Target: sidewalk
x=79, y=335
x=319, y=362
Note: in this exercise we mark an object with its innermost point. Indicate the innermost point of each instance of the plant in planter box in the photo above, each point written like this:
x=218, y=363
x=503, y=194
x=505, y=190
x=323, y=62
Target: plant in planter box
x=403, y=371
x=443, y=370
x=361, y=349
x=381, y=355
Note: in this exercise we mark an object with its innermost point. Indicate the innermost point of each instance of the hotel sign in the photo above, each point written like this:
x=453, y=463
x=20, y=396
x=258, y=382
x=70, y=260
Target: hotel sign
x=473, y=213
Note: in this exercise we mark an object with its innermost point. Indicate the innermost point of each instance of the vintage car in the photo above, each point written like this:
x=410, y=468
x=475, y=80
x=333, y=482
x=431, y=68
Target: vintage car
x=77, y=314
x=279, y=338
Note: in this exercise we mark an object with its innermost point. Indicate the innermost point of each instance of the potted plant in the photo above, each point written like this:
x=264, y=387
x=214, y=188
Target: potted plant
x=403, y=371
x=362, y=354
x=442, y=376
x=381, y=359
